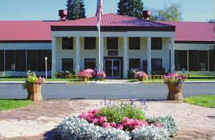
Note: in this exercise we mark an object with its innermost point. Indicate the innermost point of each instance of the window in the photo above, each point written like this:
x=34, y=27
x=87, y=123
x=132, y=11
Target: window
x=193, y=60
x=67, y=64
x=203, y=60
x=32, y=60
x=90, y=43
x=16, y=60
x=20, y=60
x=156, y=64
x=180, y=60
x=89, y=63
x=1, y=60
x=134, y=64
x=67, y=43
x=198, y=60
x=112, y=43
x=10, y=60
x=212, y=60
x=41, y=54
x=156, y=43
x=134, y=43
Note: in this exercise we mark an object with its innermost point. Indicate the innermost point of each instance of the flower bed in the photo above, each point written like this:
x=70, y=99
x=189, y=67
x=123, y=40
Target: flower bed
x=117, y=122
x=90, y=73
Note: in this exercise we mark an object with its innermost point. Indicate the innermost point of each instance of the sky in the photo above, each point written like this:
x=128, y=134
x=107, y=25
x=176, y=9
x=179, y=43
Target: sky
x=192, y=10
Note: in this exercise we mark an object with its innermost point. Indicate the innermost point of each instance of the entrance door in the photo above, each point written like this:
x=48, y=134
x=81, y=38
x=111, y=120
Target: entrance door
x=113, y=68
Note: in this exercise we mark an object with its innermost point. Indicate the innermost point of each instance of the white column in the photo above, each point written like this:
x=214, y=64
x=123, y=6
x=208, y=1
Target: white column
x=125, y=58
x=101, y=53
x=54, y=45
x=77, y=55
x=172, y=55
x=149, y=61
x=188, y=63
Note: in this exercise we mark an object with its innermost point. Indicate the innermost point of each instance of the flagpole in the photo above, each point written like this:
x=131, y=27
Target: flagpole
x=99, y=48
x=99, y=15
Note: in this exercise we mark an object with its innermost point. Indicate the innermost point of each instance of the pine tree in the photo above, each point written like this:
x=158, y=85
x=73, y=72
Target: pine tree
x=75, y=9
x=133, y=8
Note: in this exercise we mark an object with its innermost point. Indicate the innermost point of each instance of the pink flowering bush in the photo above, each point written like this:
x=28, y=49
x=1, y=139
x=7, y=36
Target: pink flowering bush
x=86, y=74
x=90, y=73
x=128, y=118
x=174, y=78
x=101, y=75
x=140, y=75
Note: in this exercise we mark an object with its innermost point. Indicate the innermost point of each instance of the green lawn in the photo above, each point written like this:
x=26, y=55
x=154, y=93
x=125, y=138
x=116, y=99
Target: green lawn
x=202, y=100
x=7, y=104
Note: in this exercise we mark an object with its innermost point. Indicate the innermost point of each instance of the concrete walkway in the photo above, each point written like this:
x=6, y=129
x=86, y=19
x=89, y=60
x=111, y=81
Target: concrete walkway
x=37, y=121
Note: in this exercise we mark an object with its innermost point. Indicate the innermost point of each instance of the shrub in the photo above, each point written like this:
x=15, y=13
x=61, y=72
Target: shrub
x=150, y=133
x=140, y=75
x=101, y=75
x=64, y=74
x=85, y=74
x=90, y=73
x=117, y=113
x=167, y=122
x=75, y=128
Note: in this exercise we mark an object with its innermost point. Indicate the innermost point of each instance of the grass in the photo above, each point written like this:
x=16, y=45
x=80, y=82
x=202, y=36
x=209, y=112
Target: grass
x=7, y=104
x=133, y=80
x=192, y=75
x=202, y=100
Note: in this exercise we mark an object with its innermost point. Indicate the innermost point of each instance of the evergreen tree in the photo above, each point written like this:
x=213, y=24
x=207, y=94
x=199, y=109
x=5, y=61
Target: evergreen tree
x=133, y=8
x=75, y=9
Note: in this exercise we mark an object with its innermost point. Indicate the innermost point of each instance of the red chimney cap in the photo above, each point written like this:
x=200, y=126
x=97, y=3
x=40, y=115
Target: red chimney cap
x=63, y=14
x=146, y=14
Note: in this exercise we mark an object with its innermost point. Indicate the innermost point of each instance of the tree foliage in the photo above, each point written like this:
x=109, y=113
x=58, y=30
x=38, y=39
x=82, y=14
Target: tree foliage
x=75, y=9
x=171, y=13
x=133, y=8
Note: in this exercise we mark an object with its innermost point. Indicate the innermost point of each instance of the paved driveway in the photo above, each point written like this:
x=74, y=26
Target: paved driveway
x=110, y=91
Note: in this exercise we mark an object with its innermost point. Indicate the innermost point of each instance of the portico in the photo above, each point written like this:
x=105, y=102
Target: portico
x=121, y=47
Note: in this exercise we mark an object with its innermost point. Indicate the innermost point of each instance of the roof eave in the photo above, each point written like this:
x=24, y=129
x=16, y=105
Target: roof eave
x=112, y=28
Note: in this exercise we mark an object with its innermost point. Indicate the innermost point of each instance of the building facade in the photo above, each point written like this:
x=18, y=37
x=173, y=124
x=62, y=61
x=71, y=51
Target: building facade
x=127, y=44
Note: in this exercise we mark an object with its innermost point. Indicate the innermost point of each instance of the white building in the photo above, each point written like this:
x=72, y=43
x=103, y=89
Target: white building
x=127, y=44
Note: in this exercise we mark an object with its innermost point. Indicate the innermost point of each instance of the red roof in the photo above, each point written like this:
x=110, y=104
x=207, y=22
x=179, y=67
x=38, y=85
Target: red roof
x=25, y=30
x=114, y=20
x=193, y=31
x=41, y=30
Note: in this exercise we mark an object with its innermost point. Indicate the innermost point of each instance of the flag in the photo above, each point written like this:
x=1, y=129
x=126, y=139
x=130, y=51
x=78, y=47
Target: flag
x=99, y=13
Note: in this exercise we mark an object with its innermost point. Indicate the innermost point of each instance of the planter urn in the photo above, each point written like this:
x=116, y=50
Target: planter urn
x=175, y=92
x=34, y=92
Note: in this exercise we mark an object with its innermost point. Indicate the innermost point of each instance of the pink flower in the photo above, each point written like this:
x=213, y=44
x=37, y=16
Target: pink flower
x=113, y=124
x=95, y=120
x=102, y=119
x=120, y=126
x=101, y=75
x=125, y=120
x=105, y=125
x=83, y=115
